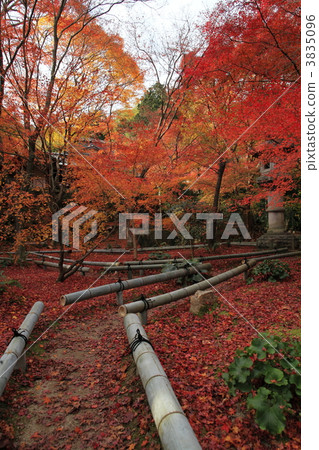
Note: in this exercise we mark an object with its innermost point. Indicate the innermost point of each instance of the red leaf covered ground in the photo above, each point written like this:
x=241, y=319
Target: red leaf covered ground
x=81, y=390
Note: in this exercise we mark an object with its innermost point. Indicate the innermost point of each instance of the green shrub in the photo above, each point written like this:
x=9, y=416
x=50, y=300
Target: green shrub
x=271, y=270
x=272, y=380
x=293, y=216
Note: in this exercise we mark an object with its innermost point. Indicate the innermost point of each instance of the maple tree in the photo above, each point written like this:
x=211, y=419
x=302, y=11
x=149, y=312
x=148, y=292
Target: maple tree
x=242, y=85
x=259, y=51
x=133, y=167
x=206, y=121
x=75, y=124
x=55, y=94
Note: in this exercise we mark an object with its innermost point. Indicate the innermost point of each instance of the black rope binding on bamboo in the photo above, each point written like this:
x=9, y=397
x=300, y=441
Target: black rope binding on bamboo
x=16, y=333
x=187, y=266
x=121, y=284
x=138, y=339
x=146, y=304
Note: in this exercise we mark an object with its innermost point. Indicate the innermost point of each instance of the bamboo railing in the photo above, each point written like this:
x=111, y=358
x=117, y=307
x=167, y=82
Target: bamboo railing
x=163, y=299
x=120, y=286
x=173, y=427
x=11, y=357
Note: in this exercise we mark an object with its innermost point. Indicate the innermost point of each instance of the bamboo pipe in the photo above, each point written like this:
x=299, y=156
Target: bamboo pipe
x=170, y=247
x=56, y=265
x=161, y=262
x=240, y=255
x=128, y=284
x=146, y=249
x=112, y=267
x=163, y=299
x=65, y=266
x=54, y=251
x=14, y=350
x=205, y=258
x=109, y=263
x=173, y=427
x=124, y=266
x=282, y=255
x=55, y=258
x=253, y=244
x=121, y=250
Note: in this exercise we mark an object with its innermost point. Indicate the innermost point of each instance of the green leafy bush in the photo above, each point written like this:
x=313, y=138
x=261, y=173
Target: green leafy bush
x=271, y=270
x=272, y=380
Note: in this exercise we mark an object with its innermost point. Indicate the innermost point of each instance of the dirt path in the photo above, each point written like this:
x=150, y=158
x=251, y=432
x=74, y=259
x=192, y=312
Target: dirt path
x=85, y=393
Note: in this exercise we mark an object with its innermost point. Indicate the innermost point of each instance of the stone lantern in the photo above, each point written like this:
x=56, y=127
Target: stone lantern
x=276, y=235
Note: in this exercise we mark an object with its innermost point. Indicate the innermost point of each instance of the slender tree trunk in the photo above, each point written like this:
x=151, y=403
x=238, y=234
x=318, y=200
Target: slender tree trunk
x=2, y=81
x=66, y=273
x=220, y=173
x=31, y=156
x=134, y=241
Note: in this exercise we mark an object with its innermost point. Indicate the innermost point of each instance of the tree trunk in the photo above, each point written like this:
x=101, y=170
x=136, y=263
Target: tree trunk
x=220, y=173
x=76, y=265
x=134, y=241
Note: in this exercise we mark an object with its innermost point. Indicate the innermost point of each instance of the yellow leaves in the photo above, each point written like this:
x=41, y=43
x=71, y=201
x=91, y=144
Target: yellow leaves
x=44, y=22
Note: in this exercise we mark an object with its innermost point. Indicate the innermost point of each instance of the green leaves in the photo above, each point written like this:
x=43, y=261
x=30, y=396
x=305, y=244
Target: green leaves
x=271, y=379
x=272, y=270
x=257, y=346
x=271, y=419
x=295, y=379
x=276, y=376
x=240, y=369
x=258, y=402
x=269, y=416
